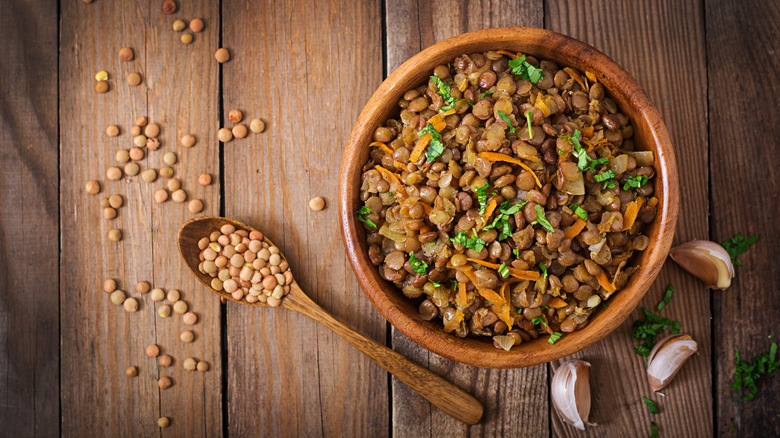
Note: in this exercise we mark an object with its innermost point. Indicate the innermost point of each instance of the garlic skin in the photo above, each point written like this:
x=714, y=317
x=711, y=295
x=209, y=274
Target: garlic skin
x=570, y=393
x=666, y=359
x=706, y=260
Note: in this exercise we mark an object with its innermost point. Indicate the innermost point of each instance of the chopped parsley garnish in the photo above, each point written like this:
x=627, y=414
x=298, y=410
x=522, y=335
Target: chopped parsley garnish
x=579, y=211
x=503, y=270
x=482, y=195
x=541, y=220
x=528, y=115
x=472, y=243
x=543, y=268
x=554, y=337
x=667, y=296
x=432, y=243
x=486, y=94
x=429, y=129
x=651, y=405
x=655, y=430
x=516, y=252
x=606, y=177
x=435, y=283
x=506, y=119
x=584, y=162
x=436, y=147
x=418, y=265
x=646, y=330
x=738, y=245
x=501, y=222
x=525, y=70
x=747, y=374
x=539, y=320
x=364, y=210
x=635, y=181
x=444, y=91
x=604, y=305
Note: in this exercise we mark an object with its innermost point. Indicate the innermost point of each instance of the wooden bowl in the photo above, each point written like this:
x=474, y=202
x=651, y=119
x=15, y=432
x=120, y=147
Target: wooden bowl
x=649, y=134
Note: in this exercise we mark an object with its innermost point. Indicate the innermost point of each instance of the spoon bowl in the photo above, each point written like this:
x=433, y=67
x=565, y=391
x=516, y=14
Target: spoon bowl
x=440, y=392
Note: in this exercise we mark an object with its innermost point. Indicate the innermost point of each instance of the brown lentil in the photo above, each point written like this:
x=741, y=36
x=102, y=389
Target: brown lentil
x=142, y=287
x=196, y=25
x=160, y=196
x=222, y=55
x=157, y=295
x=117, y=297
x=164, y=311
x=113, y=173
x=135, y=130
x=152, y=350
x=101, y=87
x=179, y=196
x=186, y=38
x=239, y=131
x=317, y=204
x=235, y=116
x=109, y=213
x=173, y=184
x=93, y=187
x=112, y=130
x=188, y=141
x=190, y=364
x=134, y=79
x=179, y=25
x=165, y=360
x=195, y=206
x=203, y=366
x=139, y=140
x=141, y=121
x=115, y=200
x=132, y=169
x=109, y=285
x=163, y=422
x=131, y=371
x=152, y=130
x=180, y=307
x=166, y=172
x=169, y=7
x=149, y=175
x=204, y=179
x=170, y=158
x=115, y=235
x=164, y=382
x=136, y=153
x=225, y=135
x=152, y=144
x=122, y=156
x=186, y=336
x=130, y=305
x=190, y=318
x=257, y=126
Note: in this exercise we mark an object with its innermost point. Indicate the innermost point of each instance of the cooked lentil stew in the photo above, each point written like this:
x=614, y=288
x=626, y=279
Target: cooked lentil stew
x=507, y=197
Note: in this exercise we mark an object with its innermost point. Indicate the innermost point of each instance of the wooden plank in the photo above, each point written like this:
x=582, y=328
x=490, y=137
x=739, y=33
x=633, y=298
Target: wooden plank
x=512, y=398
x=183, y=97
x=29, y=215
x=743, y=75
x=307, y=76
x=662, y=45
x=99, y=340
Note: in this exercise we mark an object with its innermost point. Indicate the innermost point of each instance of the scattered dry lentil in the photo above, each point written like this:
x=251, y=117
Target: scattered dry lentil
x=109, y=213
x=130, y=305
x=186, y=336
x=135, y=130
x=179, y=196
x=179, y=25
x=115, y=235
x=104, y=203
x=163, y=422
x=114, y=173
x=173, y=184
x=170, y=158
x=165, y=360
x=180, y=307
x=224, y=135
x=203, y=366
x=190, y=364
x=115, y=200
x=126, y=54
x=112, y=130
x=173, y=295
x=117, y=297
x=257, y=126
x=164, y=311
x=169, y=7
x=190, y=318
x=149, y=175
x=317, y=203
x=122, y=156
x=139, y=140
x=142, y=287
x=132, y=169
x=222, y=55
x=188, y=141
x=153, y=144
x=101, y=87
x=109, y=285
x=152, y=350
x=195, y=206
x=141, y=121
x=204, y=179
x=93, y=187
x=239, y=131
x=196, y=25
x=164, y=382
x=131, y=371
x=152, y=130
x=186, y=38
x=157, y=295
x=133, y=79
x=235, y=116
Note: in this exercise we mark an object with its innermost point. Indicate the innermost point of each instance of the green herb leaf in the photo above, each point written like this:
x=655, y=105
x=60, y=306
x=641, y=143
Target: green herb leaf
x=435, y=283
x=429, y=129
x=579, y=211
x=473, y=243
x=655, y=430
x=646, y=330
x=444, y=91
x=418, y=265
x=747, y=374
x=506, y=119
x=482, y=195
x=528, y=115
x=364, y=210
x=738, y=245
x=542, y=220
x=554, y=337
x=650, y=405
x=516, y=252
x=435, y=148
x=539, y=320
x=525, y=70
x=503, y=270
x=543, y=268
x=486, y=94
x=432, y=243
x=501, y=221
x=604, y=305
x=606, y=178
x=635, y=181
x=667, y=296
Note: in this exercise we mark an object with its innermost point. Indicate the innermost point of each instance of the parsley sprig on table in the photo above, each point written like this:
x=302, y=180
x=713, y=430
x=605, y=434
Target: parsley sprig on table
x=651, y=405
x=746, y=374
x=646, y=330
x=665, y=300
x=738, y=245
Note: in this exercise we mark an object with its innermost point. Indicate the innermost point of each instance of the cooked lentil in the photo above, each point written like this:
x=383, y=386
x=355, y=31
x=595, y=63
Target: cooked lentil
x=517, y=220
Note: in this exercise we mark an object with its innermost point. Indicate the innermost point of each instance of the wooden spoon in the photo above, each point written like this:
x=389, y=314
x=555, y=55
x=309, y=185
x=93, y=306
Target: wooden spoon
x=449, y=398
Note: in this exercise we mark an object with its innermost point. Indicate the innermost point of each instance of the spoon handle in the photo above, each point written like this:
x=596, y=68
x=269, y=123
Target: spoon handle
x=445, y=395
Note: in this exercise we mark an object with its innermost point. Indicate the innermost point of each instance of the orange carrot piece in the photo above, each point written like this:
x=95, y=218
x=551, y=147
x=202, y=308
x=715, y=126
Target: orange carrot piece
x=604, y=282
x=462, y=297
x=576, y=76
x=504, y=316
x=491, y=296
x=419, y=147
x=509, y=54
x=632, y=210
x=557, y=303
x=491, y=207
x=653, y=201
x=591, y=77
x=524, y=275
x=575, y=228
x=587, y=131
x=484, y=263
x=382, y=146
x=495, y=156
x=447, y=113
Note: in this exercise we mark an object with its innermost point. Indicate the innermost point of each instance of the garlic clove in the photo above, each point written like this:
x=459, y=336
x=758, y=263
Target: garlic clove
x=706, y=260
x=666, y=359
x=570, y=392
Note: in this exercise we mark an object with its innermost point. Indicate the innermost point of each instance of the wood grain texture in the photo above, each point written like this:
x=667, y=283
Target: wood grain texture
x=99, y=340
x=29, y=215
x=673, y=75
x=744, y=72
x=183, y=96
x=305, y=69
x=411, y=27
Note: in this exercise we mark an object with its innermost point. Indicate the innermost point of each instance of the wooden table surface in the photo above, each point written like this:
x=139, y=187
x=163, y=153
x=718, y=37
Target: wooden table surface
x=307, y=68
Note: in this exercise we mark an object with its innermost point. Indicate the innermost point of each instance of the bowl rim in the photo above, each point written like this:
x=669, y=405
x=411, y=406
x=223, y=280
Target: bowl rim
x=563, y=50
